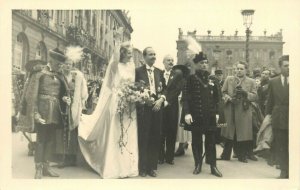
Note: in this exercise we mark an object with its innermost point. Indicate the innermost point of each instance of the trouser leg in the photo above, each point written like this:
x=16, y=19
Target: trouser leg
x=210, y=148
x=226, y=154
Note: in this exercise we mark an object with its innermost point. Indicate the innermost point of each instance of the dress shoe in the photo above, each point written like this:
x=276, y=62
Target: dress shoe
x=152, y=173
x=223, y=158
x=214, y=171
x=244, y=160
x=38, y=171
x=142, y=174
x=48, y=172
x=171, y=162
x=252, y=157
x=161, y=161
x=197, y=169
x=185, y=145
x=179, y=152
x=284, y=174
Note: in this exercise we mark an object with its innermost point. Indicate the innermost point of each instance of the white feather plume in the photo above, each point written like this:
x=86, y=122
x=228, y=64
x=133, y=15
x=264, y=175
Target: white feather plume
x=74, y=53
x=193, y=45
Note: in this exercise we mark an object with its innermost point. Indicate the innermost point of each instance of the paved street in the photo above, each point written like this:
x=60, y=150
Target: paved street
x=23, y=167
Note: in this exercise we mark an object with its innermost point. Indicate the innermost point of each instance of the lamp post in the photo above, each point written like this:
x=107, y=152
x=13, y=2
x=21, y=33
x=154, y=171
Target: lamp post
x=247, y=17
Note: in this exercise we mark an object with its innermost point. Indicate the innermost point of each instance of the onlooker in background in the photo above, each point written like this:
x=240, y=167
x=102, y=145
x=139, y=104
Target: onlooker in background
x=262, y=90
x=278, y=107
x=238, y=92
x=93, y=97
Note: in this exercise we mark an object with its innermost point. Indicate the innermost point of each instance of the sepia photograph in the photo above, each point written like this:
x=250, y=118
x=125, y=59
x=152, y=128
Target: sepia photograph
x=194, y=91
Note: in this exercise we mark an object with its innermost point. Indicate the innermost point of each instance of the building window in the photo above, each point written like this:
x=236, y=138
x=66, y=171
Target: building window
x=272, y=54
x=105, y=47
x=21, y=52
x=41, y=51
x=94, y=25
x=107, y=19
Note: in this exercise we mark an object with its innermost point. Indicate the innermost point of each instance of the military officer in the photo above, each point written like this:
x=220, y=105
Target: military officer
x=200, y=99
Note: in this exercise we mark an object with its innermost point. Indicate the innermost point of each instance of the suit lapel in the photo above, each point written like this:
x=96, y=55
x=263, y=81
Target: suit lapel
x=282, y=91
x=156, y=78
x=144, y=75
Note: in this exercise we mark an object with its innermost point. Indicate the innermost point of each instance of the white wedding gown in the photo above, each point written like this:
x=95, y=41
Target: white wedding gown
x=100, y=132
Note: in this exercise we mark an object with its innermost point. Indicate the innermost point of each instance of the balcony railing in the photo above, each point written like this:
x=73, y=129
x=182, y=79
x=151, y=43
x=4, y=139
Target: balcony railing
x=79, y=36
x=237, y=38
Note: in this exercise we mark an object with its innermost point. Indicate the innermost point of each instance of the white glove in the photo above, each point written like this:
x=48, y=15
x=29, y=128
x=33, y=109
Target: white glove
x=217, y=118
x=188, y=119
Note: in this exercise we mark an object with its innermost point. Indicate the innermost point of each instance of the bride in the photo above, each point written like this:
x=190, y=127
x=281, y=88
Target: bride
x=99, y=133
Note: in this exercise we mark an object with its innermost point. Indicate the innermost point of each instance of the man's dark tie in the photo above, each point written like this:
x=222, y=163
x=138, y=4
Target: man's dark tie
x=285, y=82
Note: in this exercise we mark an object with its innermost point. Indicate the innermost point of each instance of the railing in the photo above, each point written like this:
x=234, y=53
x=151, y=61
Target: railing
x=79, y=36
x=236, y=38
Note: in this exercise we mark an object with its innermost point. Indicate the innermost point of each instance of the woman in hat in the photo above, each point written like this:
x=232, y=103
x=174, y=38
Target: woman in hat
x=67, y=140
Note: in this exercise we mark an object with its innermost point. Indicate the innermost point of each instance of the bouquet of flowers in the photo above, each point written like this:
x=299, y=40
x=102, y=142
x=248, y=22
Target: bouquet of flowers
x=129, y=94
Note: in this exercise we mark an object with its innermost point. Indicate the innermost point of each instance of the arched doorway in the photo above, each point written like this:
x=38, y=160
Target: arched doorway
x=21, y=52
x=41, y=51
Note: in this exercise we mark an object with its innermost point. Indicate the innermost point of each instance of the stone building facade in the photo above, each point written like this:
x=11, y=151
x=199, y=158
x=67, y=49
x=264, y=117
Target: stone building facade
x=34, y=32
x=223, y=51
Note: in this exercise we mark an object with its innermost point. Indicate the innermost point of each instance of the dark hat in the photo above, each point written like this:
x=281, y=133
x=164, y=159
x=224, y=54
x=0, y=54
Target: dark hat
x=284, y=58
x=199, y=57
x=57, y=54
x=32, y=63
x=218, y=71
x=183, y=68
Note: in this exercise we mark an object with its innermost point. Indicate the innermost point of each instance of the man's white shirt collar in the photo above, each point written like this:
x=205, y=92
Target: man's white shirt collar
x=282, y=79
x=148, y=67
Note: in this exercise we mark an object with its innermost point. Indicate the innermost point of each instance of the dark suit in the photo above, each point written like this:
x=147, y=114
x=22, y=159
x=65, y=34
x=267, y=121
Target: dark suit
x=170, y=115
x=278, y=106
x=149, y=123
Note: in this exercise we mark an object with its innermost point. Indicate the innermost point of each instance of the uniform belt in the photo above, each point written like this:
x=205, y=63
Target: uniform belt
x=48, y=96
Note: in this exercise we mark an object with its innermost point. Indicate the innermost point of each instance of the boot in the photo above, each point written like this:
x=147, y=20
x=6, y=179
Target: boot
x=180, y=150
x=214, y=171
x=38, y=171
x=47, y=170
x=197, y=159
x=31, y=148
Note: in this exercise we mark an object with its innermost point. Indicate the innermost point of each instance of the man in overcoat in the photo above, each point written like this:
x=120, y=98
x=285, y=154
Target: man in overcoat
x=200, y=99
x=46, y=99
x=238, y=92
x=149, y=117
x=278, y=107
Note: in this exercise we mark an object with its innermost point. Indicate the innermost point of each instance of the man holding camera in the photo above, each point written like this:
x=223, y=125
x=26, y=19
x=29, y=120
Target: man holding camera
x=238, y=92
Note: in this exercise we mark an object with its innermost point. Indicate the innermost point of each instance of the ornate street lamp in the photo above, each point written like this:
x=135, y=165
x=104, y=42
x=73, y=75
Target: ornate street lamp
x=247, y=17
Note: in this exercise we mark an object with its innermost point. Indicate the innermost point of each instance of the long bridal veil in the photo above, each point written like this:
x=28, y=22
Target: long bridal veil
x=90, y=126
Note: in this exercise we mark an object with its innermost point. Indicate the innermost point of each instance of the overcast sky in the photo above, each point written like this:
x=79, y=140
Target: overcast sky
x=157, y=25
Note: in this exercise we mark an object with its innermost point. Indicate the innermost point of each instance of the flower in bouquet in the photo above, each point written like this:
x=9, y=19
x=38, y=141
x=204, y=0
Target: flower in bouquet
x=129, y=94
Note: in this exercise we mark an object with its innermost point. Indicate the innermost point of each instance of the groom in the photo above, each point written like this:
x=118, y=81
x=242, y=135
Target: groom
x=150, y=117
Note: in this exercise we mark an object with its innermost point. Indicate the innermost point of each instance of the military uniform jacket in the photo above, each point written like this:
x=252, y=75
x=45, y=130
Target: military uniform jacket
x=40, y=99
x=200, y=99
